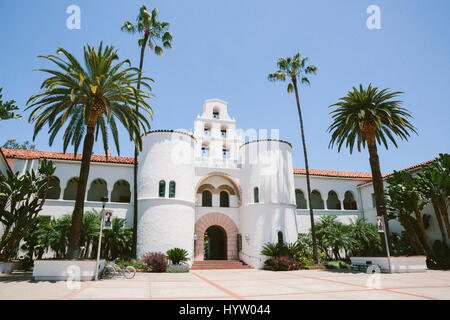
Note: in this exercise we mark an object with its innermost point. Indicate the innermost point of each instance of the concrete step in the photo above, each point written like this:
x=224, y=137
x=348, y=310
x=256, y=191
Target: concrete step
x=219, y=264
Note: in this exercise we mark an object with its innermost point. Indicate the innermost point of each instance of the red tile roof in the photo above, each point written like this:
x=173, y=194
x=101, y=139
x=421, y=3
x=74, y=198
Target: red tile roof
x=405, y=169
x=334, y=173
x=34, y=154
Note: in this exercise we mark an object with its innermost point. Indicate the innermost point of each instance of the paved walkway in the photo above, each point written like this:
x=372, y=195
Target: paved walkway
x=238, y=284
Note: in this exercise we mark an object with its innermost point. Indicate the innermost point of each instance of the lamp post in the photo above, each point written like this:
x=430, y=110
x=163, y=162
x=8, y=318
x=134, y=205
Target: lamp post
x=104, y=200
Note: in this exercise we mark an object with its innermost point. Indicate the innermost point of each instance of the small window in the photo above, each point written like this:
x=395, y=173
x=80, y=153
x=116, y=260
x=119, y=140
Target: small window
x=216, y=114
x=374, y=202
x=239, y=242
x=204, y=151
x=280, y=237
x=224, y=153
x=223, y=132
x=172, y=189
x=206, y=198
x=207, y=130
x=162, y=189
x=224, y=199
x=256, y=195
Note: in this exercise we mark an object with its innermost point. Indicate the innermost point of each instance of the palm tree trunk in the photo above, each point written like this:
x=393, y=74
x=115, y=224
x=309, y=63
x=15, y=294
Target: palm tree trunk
x=308, y=184
x=437, y=212
x=73, y=251
x=443, y=208
x=136, y=153
x=413, y=237
x=378, y=186
x=422, y=228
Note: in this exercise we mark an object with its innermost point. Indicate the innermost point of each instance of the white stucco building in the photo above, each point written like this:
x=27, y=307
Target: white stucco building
x=208, y=185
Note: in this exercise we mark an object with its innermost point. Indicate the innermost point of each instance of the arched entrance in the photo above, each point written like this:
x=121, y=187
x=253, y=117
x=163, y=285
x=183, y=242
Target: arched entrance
x=215, y=243
x=218, y=228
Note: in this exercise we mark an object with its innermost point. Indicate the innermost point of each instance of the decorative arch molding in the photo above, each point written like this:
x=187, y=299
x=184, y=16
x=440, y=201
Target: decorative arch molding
x=206, y=186
x=223, y=221
x=224, y=175
x=224, y=187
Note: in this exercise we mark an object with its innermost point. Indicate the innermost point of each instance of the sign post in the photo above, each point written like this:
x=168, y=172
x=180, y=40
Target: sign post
x=104, y=200
x=381, y=229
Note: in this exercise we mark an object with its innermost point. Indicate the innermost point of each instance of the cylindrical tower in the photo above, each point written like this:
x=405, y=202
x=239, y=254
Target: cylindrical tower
x=268, y=200
x=166, y=210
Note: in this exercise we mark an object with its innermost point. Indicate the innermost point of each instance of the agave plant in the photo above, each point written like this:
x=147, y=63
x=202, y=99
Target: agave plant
x=177, y=255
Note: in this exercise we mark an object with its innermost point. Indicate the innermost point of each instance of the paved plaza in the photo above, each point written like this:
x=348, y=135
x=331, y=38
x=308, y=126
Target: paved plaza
x=238, y=284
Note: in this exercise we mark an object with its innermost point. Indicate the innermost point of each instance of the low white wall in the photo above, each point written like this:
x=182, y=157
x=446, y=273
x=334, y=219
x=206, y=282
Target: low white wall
x=8, y=267
x=75, y=270
x=398, y=264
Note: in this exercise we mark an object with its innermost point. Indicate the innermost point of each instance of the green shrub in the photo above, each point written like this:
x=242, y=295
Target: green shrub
x=177, y=255
x=337, y=265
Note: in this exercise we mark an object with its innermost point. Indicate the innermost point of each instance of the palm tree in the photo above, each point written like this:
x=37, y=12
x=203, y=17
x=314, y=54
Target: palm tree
x=7, y=109
x=295, y=69
x=152, y=32
x=87, y=100
x=370, y=116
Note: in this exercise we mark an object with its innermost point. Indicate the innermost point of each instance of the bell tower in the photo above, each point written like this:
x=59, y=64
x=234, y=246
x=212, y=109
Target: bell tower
x=215, y=131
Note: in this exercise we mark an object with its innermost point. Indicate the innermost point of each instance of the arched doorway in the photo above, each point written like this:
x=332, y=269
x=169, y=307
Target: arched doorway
x=215, y=243
x=218, y=227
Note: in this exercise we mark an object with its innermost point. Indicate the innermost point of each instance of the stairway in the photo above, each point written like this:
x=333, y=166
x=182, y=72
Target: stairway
x=219, y=264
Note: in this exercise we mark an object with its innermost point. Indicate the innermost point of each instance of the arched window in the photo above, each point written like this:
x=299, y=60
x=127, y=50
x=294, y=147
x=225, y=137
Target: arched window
x=162, y=189
x=206, y=198
x=333, y=202
x=121, y=192
x=70, y=193
x=207, y=129
x=98, y=190
x=223, y=131
x=349, y=201
x=172, y=189
x=225, y=152
x=205, y=150
x=300, y=199
x=280, y=237
x=224, y=199
x=316, y=200
x=216, y=113
x=256, y=195
x=54, y=189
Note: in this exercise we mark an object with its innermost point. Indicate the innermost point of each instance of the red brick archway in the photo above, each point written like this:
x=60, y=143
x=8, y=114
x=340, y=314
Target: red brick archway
x=216, y=219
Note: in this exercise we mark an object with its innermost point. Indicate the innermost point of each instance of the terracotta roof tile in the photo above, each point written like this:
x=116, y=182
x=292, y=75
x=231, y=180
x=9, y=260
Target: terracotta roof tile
x=34, y=154
x=405, y=169
x=334, y=173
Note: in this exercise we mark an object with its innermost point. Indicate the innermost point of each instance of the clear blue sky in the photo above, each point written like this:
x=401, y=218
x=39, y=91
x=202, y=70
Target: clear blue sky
x=225, y=49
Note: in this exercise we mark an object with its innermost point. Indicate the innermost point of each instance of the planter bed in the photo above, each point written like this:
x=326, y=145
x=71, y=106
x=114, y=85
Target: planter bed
x=8, y=267
x=314, y=268
x=398, y=264
x=60, y=270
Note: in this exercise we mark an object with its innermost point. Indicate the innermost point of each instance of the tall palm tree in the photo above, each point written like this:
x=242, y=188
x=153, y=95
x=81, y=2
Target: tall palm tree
x=87, y=100
x=295, y=69
x=152, y=32
x=370, y=116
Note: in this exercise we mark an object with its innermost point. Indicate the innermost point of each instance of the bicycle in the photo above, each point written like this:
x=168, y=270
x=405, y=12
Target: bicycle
x=112, y=269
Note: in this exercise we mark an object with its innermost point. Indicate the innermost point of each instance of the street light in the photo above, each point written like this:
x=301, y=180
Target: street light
x=104, y=200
